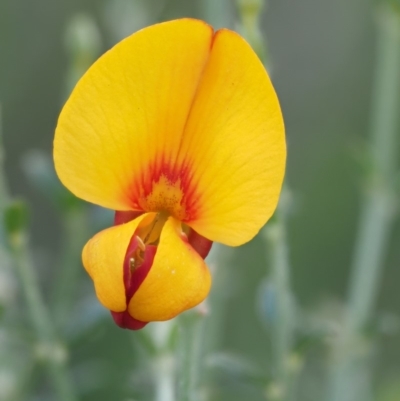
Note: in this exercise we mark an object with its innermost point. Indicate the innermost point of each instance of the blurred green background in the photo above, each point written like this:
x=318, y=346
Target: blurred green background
x=322, y=56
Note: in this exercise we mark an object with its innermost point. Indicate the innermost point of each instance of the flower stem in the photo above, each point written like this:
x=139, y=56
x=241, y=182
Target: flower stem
x=190, y=353
x=250, y=11
x=163, y=361
x=275, y=234
x=350, y=371
x=283, y=324
x=4, y=198
x=164, y=379
x=217, y=13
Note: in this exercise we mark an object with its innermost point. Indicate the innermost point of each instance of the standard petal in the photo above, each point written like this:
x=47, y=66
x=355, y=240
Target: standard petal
x=127, y=114
x=103, y=258
x=178, y=280
x=234, y=139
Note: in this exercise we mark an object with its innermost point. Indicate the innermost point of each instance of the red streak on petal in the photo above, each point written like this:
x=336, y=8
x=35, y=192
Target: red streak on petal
x=126, y=321
x=122, y=217
x=199, y=243
x=142, y=185
x=133, y=279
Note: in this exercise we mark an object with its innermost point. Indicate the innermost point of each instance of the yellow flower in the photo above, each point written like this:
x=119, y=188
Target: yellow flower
x=178, y=129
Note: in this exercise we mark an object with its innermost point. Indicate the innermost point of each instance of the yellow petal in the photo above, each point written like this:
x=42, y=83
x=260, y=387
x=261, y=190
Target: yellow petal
x=178, y=280
x=234, y=139
x=103, y=258
x=129, y=111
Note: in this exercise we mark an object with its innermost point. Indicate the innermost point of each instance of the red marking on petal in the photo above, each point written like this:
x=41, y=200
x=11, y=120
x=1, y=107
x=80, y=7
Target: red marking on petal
x=126, y=321
x=134, y=278
x=122, y=217
x=133, y=275
x=142, y=186
x=199, y=243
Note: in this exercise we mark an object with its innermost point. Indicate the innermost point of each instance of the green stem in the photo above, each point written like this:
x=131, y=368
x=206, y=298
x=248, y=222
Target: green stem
x=282, y=330
x=280, y=276
x=164, y=370
x=4, y=198
x=219, y=260
x=164, y=378
x=283, y=326
x=217, y=13
x=250, y=11
x=190, y=353
x=154, y=343
x=350, y=371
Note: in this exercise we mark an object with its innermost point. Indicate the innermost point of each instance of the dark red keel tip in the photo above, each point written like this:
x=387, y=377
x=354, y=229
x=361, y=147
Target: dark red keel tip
x=122, y=217
x=126, y=321
x=199, y=243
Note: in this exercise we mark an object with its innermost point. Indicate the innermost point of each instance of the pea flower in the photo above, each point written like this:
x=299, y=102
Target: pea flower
x=178, y=129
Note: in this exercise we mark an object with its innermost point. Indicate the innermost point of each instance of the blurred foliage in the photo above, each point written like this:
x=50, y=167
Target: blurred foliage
x=321, y=55
x=16, y=218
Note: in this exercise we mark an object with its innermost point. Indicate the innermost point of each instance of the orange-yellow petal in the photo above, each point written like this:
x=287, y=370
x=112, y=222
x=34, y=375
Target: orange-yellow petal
x=178, y=279
x=234, y=140
x=129, y=111
x=176, y=119
x=103, y=258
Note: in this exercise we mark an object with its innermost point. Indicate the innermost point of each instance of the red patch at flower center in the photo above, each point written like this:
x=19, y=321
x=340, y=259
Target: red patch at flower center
x=165, y=196
x=166, y=188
